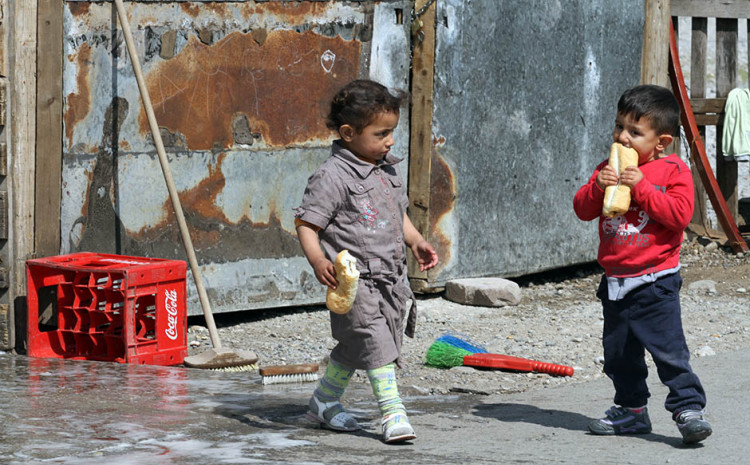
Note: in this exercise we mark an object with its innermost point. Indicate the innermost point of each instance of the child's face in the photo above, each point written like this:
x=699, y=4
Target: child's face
x=639, y=135
x=375, y=140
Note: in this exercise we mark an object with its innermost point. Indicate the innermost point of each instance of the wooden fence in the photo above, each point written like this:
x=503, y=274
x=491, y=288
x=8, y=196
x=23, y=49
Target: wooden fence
x=730, y=16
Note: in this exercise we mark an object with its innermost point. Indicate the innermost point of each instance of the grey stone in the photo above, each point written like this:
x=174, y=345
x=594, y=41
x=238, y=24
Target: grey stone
x=705, y=351
x=712, y=246
x=485, y=292
x=705, y=286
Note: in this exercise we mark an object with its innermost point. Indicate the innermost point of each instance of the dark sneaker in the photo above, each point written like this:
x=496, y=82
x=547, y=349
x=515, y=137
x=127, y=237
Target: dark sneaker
x=621, y=420
x=693, y=427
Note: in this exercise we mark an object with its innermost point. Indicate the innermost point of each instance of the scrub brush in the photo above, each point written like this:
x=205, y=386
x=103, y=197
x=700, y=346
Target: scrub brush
x=279, y=374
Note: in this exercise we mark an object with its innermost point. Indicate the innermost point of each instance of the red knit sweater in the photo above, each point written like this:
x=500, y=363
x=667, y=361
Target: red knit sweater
x=648, y=237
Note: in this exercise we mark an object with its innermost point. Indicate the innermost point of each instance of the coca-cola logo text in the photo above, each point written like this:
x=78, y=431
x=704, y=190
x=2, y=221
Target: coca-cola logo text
x=170, y=302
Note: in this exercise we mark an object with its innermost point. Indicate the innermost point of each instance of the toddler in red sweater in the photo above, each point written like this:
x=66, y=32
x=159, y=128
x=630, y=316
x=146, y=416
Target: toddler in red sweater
x=640, y=254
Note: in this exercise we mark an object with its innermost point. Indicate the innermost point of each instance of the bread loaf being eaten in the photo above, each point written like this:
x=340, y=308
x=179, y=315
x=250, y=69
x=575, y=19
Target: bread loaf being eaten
x=341, y=299
x=617, y=198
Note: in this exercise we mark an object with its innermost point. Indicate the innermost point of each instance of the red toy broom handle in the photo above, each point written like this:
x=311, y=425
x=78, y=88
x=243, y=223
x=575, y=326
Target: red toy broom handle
x=516, y=363
x=552, y=369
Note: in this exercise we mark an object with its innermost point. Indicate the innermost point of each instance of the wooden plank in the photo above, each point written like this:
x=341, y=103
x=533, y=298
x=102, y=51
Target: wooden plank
x=3, y=215
x=655, y=53
x=3, y=39
x=7, y=323
x=22, y=150
x=698, y=151
x=707, y=120
x=49, y=128
x=3, y=102
x=6, y=329
x=726, y=56
x=698, y=53
x=676, y=145
x=726, y=80
x=706, y=105
x=711, y=8
x=699, y=45
x=420, y=144
x=3, y=159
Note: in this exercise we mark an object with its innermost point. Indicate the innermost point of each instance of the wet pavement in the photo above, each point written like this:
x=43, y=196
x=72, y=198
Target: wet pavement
x=77, y=412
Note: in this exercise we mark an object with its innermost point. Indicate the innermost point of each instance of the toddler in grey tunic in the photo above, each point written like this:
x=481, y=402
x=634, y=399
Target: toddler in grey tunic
x=357, y=201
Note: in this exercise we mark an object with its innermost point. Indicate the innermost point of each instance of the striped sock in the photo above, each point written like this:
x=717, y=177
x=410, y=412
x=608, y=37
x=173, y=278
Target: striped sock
x=333, y=383
x=383, y=382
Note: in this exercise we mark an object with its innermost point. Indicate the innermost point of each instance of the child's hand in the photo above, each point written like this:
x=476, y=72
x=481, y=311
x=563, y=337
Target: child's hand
x=607, y=177
x=425, y=255
x=631, y=176
x=325, y=272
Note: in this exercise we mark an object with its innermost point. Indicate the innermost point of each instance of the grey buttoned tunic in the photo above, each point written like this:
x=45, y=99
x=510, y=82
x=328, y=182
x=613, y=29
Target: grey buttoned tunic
x=360, y=207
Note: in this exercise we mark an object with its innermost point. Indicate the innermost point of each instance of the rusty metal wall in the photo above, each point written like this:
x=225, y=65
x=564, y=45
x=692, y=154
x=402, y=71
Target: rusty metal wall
x=519, y=126
x=523, y=109
x=240, y=90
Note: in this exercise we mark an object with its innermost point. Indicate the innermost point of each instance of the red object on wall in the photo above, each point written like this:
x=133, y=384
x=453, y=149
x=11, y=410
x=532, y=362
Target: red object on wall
x=90, y=306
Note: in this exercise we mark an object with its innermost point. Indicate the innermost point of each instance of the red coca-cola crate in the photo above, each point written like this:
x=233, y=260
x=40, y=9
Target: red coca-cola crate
x=90, y=306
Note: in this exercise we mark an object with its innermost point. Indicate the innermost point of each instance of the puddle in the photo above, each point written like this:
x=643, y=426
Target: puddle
x=80, y=412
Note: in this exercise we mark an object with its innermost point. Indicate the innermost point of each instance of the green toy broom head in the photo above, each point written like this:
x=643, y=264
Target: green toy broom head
x=444, y=355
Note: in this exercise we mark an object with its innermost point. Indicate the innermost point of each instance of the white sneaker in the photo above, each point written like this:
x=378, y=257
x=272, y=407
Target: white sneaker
x=331, y=415
x=396, y=428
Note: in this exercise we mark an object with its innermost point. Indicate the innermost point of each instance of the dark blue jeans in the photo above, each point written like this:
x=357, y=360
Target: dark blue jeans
x=649, y=318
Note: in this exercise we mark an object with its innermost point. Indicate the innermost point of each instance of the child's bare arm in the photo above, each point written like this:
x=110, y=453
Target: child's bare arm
x=323, y=268
x=422, y=250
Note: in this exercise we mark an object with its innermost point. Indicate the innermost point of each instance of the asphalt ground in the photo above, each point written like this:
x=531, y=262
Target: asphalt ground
x=73, y=412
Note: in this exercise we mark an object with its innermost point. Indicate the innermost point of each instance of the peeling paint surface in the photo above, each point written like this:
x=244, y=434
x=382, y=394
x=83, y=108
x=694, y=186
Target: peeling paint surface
x=390, y=62
x=240, y=92
x=311, y=49
x=200, y=91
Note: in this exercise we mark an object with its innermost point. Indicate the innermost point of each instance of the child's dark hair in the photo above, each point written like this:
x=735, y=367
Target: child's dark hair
x=656, y=103
x=359, y=102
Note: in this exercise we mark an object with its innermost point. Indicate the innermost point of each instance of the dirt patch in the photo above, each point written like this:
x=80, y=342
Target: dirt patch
x=558, y=321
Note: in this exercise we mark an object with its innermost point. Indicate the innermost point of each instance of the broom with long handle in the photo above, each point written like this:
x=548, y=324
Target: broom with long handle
x=218, y=357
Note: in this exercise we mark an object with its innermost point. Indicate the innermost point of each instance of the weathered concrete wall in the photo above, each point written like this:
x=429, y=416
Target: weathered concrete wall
x=240, y=90
x=525, y=99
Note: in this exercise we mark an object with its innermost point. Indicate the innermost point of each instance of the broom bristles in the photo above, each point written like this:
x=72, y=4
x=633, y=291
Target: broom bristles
x=444, y=355
x=463, y=344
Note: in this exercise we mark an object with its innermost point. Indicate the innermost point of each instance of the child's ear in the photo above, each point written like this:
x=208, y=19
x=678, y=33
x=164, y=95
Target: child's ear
x=346, y=131
x=664, y=141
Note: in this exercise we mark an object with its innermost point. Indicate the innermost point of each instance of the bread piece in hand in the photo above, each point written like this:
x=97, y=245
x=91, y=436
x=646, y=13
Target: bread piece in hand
x=617, y=198
x=341, y=300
